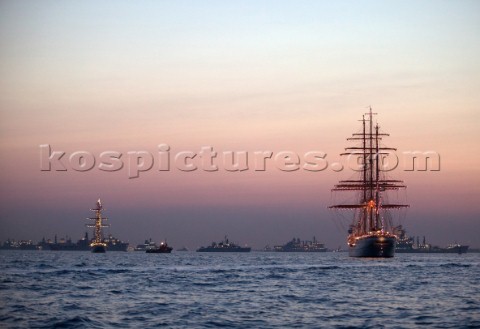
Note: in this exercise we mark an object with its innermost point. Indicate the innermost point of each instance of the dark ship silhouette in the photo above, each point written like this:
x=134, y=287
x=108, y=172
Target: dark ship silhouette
x=224, y=246
x=295, y=245
x=406, y=244
x=163, y=248
x=83, y=244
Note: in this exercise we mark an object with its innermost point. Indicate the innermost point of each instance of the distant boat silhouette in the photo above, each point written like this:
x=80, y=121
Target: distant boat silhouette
x=224, y=246
x=163, y=248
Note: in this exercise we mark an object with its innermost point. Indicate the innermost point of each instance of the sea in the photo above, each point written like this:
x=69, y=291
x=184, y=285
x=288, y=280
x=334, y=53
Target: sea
x=68, y=289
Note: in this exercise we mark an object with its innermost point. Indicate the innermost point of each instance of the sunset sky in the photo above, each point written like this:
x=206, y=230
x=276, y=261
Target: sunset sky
x=248, y=76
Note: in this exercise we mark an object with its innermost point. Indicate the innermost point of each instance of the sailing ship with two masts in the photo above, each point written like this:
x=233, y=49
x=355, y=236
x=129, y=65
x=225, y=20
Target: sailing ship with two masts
x=371, y=233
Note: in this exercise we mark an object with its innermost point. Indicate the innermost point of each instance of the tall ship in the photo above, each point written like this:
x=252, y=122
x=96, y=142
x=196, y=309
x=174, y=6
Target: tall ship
x=224, y=246
x=98, y=245
x=371, y=233
x=296, y=245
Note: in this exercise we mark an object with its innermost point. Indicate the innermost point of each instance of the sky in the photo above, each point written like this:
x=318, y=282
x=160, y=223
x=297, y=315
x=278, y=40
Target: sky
x=124, y=76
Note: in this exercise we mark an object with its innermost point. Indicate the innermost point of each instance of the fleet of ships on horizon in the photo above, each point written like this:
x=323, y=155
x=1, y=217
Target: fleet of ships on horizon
x=371, y=234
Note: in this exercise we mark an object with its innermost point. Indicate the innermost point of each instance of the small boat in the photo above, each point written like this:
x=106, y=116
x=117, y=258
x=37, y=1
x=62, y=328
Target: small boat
x=163, y=248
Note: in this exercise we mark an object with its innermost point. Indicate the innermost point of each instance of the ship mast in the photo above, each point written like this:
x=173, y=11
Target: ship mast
x=377, y=187
x=98, y=225
x=371, y=183
x=363, y=224
x=371, y=202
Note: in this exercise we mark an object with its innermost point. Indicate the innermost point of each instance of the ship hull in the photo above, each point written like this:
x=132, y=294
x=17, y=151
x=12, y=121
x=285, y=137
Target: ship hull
x=212, y=249
x=99, y=249
x=458, y=249
x=65, y=247
x=159, y=251
x=118, y=247
x=373, y=246
x=301, y=250
x=454, y=250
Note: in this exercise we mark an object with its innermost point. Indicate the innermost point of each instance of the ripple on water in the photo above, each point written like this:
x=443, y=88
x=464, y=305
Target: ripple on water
x=267, y=290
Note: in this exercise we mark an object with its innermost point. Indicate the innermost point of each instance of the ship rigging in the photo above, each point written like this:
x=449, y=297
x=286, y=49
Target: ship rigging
x=97, y=245
x=371, y=233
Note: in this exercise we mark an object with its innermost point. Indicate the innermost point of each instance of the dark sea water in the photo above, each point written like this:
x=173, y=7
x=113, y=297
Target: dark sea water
x=47, y=289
